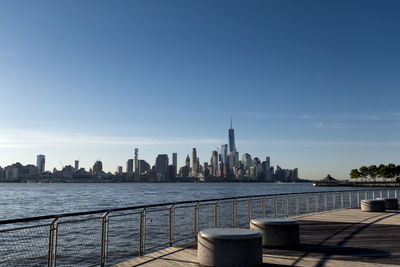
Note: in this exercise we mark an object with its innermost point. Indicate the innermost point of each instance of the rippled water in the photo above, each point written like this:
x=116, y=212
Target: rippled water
x=26, y=200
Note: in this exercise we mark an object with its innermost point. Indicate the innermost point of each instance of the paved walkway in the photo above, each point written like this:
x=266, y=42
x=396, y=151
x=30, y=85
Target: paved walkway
x=339, y=238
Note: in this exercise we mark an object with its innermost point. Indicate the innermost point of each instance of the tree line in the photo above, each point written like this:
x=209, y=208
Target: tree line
x=389, y=171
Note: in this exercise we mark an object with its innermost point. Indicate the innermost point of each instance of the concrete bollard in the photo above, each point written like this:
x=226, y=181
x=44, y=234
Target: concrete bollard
x=373, y=205
x=277, y=232
x=229, y=247
x=390, y=203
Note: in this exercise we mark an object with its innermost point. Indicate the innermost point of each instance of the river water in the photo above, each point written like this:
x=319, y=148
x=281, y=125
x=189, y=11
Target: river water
x=20, y=200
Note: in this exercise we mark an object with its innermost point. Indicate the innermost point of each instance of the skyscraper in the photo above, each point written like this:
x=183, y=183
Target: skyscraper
x=119, y=170
x=162, y=167
x=175, y=161
x=246, y=160
x=187, y=161
x=98, y=167
x=194, y=162
x=266, y=166
x=76, y=165
x=40, y=162
x=136, y=167
x=233, y=159
x=143, y=166
x=268, y=162
x=224, y=153
x=232, y=147
x=214, y=161
x=129, y=166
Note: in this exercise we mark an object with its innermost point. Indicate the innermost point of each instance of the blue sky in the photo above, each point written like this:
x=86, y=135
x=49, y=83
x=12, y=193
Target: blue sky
x=312, y=84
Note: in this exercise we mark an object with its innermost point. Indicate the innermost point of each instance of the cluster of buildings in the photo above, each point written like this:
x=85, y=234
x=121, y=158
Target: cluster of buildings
x=224, y=165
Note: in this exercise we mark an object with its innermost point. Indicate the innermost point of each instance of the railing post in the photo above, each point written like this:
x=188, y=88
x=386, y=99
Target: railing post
x=196, y=221
x=234, y=210
x=307, y=204
x=250, y=210
x=365, y=195
x=104, y=238
x=373, y=194
x=263, y=206
x=316, y=202
x=334, y=200
x=350, y=200
x=380, y=194
x=276, y=207
x=171, y=225
x=358, y=199
x=217, y=214
x=341, y=200
x=52, y=253
x=297, y=206
x=325, y=201
x=287, y=206
x=395, y=193
x=142, y=232
x=388, y=193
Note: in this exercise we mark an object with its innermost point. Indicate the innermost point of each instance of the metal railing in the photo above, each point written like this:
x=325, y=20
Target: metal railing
x=105, y=237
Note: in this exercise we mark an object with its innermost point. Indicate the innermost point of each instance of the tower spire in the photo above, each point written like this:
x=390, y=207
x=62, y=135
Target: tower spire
x=231, y=132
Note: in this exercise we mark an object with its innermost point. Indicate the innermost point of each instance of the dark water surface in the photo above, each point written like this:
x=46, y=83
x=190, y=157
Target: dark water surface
x=27, y=200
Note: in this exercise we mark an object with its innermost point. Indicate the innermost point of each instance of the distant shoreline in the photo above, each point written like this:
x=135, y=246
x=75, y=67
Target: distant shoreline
x=358, y=184
x=91, y=181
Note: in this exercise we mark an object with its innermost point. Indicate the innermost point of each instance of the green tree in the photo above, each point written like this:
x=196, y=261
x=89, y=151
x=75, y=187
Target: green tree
x=373, y=172
x=391, y=172
x=397, y=173
x=354, y=173
x=364, y=171
x=382, y=170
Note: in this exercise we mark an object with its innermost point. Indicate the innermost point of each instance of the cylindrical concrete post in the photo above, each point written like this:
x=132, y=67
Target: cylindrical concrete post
x=229, y=247
x=277, y=232
x=390, y=203
x=373, y=205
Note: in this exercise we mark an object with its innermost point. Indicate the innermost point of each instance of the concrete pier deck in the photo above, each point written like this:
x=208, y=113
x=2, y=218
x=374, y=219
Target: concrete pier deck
x=346, y=237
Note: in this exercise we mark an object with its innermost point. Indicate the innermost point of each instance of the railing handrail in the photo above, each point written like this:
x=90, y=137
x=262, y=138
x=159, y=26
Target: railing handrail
x=146, y=206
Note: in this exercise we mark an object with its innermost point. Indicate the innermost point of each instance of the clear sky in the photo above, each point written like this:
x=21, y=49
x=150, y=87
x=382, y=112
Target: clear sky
x=312, y=84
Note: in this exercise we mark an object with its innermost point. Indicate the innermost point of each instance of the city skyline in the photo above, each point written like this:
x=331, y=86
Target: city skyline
x=203, y=156
x=221, y=167
x=167, y=77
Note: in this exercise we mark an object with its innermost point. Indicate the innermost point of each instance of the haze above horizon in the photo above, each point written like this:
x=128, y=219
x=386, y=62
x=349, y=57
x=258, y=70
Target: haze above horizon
x=312, y=84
